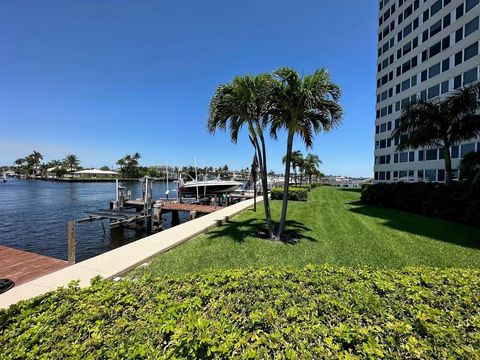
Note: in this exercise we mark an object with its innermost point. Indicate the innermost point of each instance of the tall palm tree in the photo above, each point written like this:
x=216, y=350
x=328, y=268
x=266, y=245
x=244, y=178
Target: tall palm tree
x=72, y=162
x=310, y=165
x=296, y=160
x=245, y=102
x=36, y=158
x=441, y=123
x=303, y=106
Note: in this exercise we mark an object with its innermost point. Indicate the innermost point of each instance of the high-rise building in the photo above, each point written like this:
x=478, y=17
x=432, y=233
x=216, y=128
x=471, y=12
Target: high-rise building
x=426, y=48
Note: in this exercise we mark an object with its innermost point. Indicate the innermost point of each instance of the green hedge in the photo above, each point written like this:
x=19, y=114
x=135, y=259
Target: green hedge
x=294, y=193
x=315, y=312
x=456, y=202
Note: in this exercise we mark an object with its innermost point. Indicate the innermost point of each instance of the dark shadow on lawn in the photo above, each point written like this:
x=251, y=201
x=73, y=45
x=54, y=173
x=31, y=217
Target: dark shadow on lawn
x=438, y=229
x=240, y=230
x=355, y=190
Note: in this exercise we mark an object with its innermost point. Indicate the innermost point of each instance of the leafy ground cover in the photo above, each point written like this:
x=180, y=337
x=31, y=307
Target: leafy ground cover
x=315, y=312
x=334, y=228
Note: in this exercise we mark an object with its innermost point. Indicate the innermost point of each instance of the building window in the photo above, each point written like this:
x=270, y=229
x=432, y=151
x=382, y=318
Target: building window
x=459, y=35
x=403, y=157
x=455, y=151
x=467, y=148
x=459, y=12
x=434, y=91
x=458, y=58
x=441, y=175
x=431, y=175
x=445, y=65
x=471, y=51
x=470, y=76
x=431, y=154
x=402, y=174
x=445, y=87
x=457, y=81
x=421, y=155
x=435, y=28
x=411, y=156
x=420, y=175
x=434, y=70
x=445, y=43
x=470, y=4
x=395, y=158
x=471, y=26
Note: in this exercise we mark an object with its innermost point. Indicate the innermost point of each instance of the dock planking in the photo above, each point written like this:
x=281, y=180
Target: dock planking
x=205, y=209
x=22, y=266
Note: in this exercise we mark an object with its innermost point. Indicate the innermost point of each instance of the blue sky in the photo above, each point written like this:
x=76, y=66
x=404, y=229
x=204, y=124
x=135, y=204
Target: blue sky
x=101, y=79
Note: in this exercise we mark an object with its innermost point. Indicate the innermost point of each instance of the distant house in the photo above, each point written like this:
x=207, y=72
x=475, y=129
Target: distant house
x=96, y=173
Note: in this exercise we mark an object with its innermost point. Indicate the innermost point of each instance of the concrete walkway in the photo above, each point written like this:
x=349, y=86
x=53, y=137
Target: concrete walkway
x=122, y=259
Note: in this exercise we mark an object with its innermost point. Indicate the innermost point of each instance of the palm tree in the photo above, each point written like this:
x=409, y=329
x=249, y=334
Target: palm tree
x=37, y=157
x=72, y=162
x=441, y=123
x=303, y=106
x=296, y=160
x=245, y=102
x=310, y=165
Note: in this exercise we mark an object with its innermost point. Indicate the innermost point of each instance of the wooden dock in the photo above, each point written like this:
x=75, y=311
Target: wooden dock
x=22, y=266
x=203, y=209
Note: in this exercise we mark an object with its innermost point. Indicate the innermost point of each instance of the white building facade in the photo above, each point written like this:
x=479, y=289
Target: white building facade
x=426, y=48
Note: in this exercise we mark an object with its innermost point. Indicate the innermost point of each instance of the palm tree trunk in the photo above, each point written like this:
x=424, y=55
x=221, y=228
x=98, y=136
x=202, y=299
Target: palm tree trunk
x=262, y=159
x=448, y=165
x=283, y=215
x=266, y=200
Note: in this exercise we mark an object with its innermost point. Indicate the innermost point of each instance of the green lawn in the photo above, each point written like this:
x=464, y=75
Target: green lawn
x=336, y=229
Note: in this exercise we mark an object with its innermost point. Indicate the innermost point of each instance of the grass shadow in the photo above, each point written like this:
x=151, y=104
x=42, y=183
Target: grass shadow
x=355, y=190
x=238, y=231
x=434, y=228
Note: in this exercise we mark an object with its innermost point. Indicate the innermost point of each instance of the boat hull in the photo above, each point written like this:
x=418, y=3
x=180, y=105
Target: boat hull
x=208, y=189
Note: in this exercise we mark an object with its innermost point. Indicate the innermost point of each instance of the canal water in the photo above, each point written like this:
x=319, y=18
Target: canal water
x=34, y=216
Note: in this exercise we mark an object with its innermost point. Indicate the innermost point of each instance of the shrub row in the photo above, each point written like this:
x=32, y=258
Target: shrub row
x=315, y=312
x=294, y=193
x=454, y=202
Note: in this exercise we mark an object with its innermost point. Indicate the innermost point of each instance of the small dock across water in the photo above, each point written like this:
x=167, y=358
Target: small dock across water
x=23, y=266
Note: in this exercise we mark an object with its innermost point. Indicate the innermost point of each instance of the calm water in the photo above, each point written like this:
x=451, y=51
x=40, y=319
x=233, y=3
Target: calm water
x=34, y=216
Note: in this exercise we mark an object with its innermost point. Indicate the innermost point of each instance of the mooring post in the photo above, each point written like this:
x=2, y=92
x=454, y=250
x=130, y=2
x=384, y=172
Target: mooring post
x=71, y=242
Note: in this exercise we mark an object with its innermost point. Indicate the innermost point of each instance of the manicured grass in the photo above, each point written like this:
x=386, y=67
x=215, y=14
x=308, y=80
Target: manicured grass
x=336, y=229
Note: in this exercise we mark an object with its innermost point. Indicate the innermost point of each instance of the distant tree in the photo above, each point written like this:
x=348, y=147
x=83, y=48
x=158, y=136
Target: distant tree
x=129, y=167
x=441, y=123
x=33, y=162
x=21, y=166
x=71, y=163
x=311, y=164
x=105, y=168
x=296, y=161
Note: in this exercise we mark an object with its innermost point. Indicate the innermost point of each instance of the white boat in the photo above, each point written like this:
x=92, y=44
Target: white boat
x=209, y=187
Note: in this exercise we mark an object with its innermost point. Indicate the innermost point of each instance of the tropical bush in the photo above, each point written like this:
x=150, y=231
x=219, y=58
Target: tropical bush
x=455, y=202
x=315, y=312
x=294, y=193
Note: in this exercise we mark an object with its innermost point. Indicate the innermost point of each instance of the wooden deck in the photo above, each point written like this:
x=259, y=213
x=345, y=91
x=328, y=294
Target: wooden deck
x=22, y=266
x=204, y=209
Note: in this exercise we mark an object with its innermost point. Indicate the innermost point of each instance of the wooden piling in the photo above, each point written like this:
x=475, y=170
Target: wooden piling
x=71, y=242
